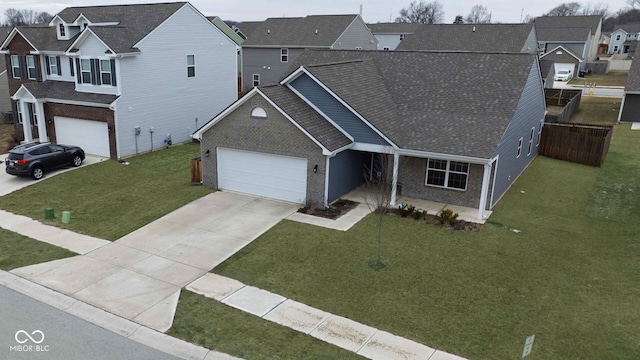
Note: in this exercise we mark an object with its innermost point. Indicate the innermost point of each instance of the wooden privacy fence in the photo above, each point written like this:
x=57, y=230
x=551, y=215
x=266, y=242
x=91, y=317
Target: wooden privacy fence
x=196, y=171
x=568, y=99
x=579, y=143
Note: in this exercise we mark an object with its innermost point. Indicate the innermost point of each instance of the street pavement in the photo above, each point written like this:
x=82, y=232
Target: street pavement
x=58, y=335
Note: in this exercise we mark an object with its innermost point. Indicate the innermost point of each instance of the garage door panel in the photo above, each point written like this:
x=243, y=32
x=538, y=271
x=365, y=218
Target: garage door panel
x=91, y=136
x=268, y=175
x=565, y=66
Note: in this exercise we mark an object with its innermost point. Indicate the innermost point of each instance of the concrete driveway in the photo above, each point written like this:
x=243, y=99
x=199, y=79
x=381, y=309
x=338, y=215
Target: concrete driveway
x=10, y=183
x=139, y=276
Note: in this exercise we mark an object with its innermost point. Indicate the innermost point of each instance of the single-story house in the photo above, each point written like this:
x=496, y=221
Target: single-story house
x=452, y=134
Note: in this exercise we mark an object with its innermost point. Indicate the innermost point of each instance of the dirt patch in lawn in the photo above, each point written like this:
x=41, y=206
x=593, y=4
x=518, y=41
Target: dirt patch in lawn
x=334, y=210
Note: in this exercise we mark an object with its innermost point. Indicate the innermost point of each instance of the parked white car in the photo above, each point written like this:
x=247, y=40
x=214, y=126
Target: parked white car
x=562, y=75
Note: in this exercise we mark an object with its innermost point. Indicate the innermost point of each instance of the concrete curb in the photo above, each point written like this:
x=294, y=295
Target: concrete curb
x=109, y=321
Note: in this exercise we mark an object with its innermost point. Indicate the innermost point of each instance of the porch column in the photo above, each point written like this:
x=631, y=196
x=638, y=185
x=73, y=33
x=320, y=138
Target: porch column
x=26, y=121
x=394, y=182
x=42, y=122
x=486, y=177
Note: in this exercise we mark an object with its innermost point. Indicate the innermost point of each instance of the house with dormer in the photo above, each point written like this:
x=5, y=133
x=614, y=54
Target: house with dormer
x=119, y=80
x=274, y=44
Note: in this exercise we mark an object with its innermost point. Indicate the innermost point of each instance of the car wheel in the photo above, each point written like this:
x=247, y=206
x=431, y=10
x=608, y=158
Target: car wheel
x=77, y=160
x=37, y=173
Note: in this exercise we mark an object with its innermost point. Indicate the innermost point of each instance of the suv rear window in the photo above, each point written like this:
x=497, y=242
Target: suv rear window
x=13, y=156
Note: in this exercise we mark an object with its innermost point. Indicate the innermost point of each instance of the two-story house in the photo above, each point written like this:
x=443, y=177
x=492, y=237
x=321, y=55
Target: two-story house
x=274, y=44
x=579, y=35
x=390, y=35
x=119, y=80
x=517, y=38
x=623, y=38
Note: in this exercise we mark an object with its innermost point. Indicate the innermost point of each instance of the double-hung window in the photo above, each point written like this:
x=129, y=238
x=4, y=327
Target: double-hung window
x=32, y=71
x=519, y=148
x=62, y=30
x=447, y=174
x=533, y=131
x=191, y=65
x=284, y=55
x=53, y=65
x=105, y=72
x=19, y=113
x=256, y=80
x=15, y=66
x=85, y=71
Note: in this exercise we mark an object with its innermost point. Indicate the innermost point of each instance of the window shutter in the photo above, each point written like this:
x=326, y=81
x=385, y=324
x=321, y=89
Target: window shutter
x=98, y=75
x=71, y=67
x=15, y=111
x=48, y=64
x=22, y=61
x=36, y=61
x=58, y=67
x=7, y=58
x=79, y=72
x=113, y=72
x=93, y=71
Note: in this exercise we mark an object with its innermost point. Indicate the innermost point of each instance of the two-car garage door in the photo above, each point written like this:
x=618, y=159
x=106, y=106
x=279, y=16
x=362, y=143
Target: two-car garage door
x=268, y=175
x=91, y=136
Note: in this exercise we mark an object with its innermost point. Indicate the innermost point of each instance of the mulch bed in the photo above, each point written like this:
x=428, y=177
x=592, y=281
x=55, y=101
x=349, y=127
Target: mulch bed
x=435, y=220
x=334, y=210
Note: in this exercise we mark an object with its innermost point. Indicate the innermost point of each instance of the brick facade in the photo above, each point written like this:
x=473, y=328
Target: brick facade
x=19, y=46
x=274, y=135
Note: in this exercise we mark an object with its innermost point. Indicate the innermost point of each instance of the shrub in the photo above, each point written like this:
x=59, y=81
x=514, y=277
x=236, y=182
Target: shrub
x=419, y=214
x=448, y=217
x=406, y=210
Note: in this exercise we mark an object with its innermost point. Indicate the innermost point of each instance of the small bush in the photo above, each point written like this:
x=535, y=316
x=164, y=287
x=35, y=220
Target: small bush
x=419, y=214
x=448, y=217
x=406, y=210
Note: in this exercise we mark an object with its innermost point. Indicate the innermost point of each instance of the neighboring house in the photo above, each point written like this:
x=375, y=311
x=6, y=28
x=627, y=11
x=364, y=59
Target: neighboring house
x=563, y=59
x=473, y=37
x=456, y=137
x=579, y=34
x=274, y=44
x=547, y=72
x=5, y=101
x=122, y=79
x=237, y=37
x=623, y=37
x=630, y=108
x=389, y=35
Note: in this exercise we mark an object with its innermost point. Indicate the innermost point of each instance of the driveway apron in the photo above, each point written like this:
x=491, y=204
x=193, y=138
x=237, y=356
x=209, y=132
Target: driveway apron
x=139, y=276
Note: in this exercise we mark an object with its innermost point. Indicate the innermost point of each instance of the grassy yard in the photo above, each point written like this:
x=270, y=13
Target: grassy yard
x=613, y=78
x=216, y=326
x=597, y=111
x=109, y=200
x=570, y=276
x=6, y=138
x=18, y=251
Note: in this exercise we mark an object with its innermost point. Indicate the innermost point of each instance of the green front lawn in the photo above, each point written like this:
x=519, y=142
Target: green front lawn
x=18, y=251
x=109, y=200
x=216, y=326
x=570, y=276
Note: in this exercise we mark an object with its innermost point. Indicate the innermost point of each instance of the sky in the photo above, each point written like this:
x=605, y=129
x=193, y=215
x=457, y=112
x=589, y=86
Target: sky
x=505, y=11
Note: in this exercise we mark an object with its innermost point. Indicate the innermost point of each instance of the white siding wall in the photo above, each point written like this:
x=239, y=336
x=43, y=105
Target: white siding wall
x=613, y=42
x=390, y=41
x=64, y=65
x=93, y=48
x=357, y=34
x=156, y=91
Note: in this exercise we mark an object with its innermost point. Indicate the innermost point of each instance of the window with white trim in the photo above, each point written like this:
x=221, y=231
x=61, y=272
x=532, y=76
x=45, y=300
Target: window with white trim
x=284, y=55
x=256, y=80
x=19, y=113
x=31, y=67
x=533, y=131
x=386, y=49
x=191, y=65
x=401, y=37
x=618, y=37
x=62, y=30
x=540, y=132
x=358, y=47
x=53, y=65
x=447, y=174
x=15, y=66
x=85, y=71
x=105, y=72
x=519, y=148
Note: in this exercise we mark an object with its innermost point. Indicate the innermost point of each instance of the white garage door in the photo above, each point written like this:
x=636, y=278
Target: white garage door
x=91, y=136
x=565, y=66
x=272, y=176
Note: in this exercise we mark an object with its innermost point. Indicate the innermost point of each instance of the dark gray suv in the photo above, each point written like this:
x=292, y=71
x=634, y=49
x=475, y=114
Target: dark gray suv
x=34, y=159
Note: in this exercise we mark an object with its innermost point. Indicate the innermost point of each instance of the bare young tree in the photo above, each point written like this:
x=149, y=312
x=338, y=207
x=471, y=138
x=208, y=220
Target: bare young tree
x=594, y=9
x=24, y=17
x=458, y=20
x=422, y=12
x=479, y=15
x=635, y=4
x=565, y=9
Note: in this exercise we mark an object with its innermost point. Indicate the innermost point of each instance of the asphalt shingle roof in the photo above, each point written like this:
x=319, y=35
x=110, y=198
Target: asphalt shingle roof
x=63, y=90
x=44, y=38
x=574, y=34
x=322, y=130
x=393, y=28
x=629, y=28
x=457, y=103
x=563, y=22
x=469, y=37
x=297, y=32
x=633, y=80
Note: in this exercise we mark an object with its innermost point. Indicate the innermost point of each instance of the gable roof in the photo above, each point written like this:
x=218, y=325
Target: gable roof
x=42, y=37
x=469, y=37
x=393, y=28
x=561, y=48
x=571, y=34
x=565, y=22
x=428, y=101
x=633, y=80
x=310, y=31
x=628, y=28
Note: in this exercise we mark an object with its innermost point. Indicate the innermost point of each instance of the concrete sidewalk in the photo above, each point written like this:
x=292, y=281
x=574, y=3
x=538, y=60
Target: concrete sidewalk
x=345, y=333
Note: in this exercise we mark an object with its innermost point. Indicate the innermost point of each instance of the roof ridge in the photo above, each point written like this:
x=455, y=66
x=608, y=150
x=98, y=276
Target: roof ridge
x=337, y=63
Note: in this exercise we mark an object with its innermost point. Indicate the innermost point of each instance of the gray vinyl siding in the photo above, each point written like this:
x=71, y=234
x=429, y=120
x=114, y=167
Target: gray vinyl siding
x=576, y=48
x=531, y=44
x=346, y=172
x=266, y=62
x=530, y=111
x=357, y=34
x=631, y=109
x=337, y=112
